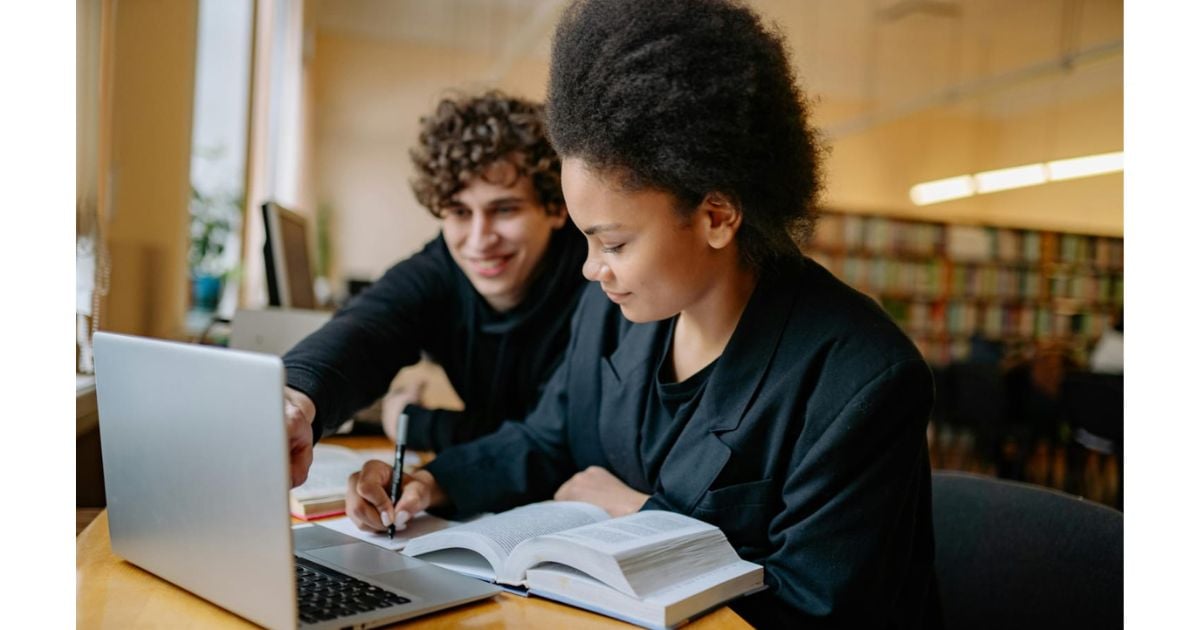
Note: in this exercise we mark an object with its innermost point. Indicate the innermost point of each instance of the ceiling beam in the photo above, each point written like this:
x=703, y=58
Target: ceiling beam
x=969, y=89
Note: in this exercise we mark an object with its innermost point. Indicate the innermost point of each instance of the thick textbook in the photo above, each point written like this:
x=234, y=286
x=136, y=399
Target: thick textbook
x=651, y=568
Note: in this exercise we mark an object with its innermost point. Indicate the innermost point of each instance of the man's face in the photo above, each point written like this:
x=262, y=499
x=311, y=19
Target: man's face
x=498, y=234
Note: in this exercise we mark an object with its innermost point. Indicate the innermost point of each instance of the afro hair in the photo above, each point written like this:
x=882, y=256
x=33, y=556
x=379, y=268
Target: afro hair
x=690, y=97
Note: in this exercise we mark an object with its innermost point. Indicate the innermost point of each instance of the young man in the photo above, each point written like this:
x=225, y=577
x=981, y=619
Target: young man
x=713, y=370
x=489, y=299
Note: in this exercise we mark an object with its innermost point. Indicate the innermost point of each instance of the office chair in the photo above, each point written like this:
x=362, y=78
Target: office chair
x=939, y=430
x=1015, y=555
x=977, y=403
x=1094, y=407
x=1036, y=419
x=1094, y=404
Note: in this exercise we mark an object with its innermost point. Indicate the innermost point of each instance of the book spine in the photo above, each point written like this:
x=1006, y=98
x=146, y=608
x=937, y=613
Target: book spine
x=318, y=515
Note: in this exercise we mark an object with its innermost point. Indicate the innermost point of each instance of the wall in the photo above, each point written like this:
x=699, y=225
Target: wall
x=371, y=91
x=370, y=94
x=153, y=79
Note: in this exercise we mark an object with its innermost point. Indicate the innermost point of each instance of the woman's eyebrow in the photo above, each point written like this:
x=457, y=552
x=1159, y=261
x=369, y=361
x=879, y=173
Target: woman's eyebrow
x=606, y=227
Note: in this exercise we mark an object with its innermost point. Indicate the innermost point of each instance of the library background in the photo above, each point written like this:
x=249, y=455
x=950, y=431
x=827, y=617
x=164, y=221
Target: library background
x=973, y=182
x=1009, y=320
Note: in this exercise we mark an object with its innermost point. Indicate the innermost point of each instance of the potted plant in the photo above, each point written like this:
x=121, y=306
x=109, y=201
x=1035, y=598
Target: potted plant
x=214, y=220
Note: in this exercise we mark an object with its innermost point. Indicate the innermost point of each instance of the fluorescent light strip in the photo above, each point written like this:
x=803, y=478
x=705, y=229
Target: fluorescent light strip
x=942, y=190
x=1007, y=178
x=962, y=186
x=1086, y=166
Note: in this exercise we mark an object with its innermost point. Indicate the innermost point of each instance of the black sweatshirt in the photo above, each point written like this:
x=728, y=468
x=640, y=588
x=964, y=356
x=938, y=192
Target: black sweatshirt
x=497, y=362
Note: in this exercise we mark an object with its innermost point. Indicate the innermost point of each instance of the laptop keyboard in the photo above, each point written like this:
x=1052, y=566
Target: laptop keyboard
x=325, y=594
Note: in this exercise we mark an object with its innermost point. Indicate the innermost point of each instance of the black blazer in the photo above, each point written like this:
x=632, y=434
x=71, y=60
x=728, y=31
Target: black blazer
x=807, y=448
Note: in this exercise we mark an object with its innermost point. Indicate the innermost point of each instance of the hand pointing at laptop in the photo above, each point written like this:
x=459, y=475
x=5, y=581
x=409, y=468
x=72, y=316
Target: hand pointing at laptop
x=298, y=414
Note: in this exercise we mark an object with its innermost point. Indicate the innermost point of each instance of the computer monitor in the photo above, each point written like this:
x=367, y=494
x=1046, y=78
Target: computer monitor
x=289, y=274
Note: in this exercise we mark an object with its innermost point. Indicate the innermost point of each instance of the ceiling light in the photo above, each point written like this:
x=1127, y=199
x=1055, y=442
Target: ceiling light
x=940, y=190
x=1086, y=166
x=1006, y=178
x=943, y=190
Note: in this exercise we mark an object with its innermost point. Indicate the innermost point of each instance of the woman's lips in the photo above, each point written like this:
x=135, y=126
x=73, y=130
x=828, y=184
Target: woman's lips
x=616, y=296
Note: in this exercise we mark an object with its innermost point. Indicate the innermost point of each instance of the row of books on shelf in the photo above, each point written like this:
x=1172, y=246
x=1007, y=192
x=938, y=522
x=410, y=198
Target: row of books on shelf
x=849, y=233
x=943, y=351
x=965, y=318
x=937, y=278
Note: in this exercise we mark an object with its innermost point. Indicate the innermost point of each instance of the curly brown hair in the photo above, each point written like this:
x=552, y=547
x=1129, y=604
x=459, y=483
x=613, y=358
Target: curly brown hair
x=466, y=135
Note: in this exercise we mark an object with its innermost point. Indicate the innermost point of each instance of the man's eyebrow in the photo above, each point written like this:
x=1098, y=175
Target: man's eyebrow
x=505, y=200
x=493, y=202
x=606, y=227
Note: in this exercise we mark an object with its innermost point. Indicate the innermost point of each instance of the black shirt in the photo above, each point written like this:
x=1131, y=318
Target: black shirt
x=670, y=406
x=497, y=362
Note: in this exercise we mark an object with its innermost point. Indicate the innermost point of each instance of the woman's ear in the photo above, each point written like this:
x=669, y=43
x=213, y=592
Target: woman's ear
x=722, y=218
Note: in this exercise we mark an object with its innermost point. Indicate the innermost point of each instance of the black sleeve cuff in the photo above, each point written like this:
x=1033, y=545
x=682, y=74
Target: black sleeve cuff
x=421, y=424
x=307, y=383
x=460, y=480
x=437, y=429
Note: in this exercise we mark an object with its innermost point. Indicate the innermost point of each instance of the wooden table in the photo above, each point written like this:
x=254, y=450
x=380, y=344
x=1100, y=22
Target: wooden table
x=112, y=593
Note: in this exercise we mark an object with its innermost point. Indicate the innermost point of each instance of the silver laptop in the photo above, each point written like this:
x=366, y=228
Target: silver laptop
x=273, y=330
x=196, y=472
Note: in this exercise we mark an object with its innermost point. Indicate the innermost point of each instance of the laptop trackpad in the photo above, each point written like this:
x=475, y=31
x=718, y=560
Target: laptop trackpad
x=364, y=558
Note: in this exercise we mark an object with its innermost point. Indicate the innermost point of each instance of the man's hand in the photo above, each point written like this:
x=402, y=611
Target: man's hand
x=597, y=486
x=369, y=505
x=298, y=414
x=395, y=402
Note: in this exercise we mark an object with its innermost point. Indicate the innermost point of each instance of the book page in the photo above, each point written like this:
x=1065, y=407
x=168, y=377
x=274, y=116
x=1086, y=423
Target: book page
x=509, y=529
x=635, y=554
x=494, y=537
x=419, y=526
x=640, y=530
x=332, y=466
x=328, y=475
x=681, y=600
x=462, y=561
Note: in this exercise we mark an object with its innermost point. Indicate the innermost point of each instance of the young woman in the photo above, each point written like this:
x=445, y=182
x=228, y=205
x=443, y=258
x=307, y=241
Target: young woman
x=713, y=370
x=489, y=299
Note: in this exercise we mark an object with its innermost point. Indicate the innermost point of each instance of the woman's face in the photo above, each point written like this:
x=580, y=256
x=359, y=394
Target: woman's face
x=498, y=235
x=647, y=258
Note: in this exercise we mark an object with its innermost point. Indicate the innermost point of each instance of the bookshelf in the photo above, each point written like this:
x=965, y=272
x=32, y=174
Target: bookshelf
x=944, y=283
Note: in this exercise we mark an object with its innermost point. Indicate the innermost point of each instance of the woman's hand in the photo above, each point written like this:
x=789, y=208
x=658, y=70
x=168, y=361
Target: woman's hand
x=369, y=505
x=597, y=486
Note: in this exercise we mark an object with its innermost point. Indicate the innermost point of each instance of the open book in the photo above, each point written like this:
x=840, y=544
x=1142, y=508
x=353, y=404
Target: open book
x=652, y=568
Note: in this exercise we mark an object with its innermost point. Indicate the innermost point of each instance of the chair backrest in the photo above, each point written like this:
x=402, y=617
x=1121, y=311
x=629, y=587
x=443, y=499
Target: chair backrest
x=1095, y=402
x=1014, y=555
x=976, y=400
